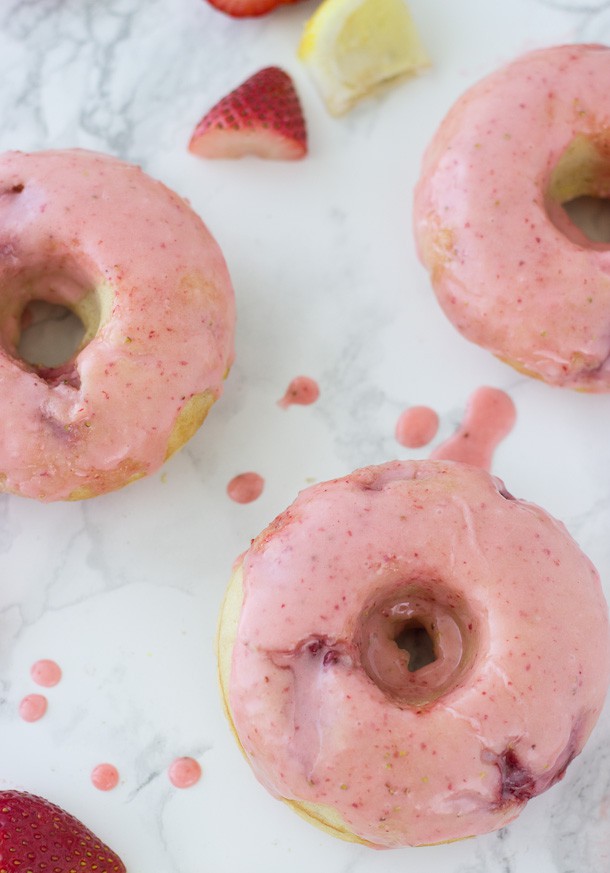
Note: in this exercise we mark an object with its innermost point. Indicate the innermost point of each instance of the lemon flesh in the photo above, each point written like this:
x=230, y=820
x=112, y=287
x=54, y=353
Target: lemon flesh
x=352, y=47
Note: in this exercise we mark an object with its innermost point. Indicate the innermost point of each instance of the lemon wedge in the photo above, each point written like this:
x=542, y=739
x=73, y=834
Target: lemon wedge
x=352, y=47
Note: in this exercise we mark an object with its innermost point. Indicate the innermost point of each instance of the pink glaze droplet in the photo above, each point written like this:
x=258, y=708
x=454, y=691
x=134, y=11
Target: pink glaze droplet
x=246, y=487
x=105, y=777
x=490, y=416
x=416, y=427
x=46, y=673
x=301, y=391
x=33, y=707
x=184, y=772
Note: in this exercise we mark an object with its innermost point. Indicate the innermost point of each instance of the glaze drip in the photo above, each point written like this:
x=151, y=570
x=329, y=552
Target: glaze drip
x=490, y=416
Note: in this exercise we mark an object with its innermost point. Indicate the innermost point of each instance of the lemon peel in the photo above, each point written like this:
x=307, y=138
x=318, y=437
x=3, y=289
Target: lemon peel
x=353, y=47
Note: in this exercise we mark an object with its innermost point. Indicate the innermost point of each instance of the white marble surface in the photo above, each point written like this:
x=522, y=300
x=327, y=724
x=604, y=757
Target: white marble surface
x=123, y=590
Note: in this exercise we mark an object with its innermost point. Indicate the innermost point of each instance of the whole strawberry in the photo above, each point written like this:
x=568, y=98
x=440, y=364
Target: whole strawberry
x=248, y=8
x=262, y=117
x=38, y=837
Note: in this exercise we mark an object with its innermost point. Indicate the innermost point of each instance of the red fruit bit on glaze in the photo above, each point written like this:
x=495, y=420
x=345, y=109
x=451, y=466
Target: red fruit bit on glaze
x=518, y=784
x=416, y=427
x=33, y=707
x=490, y=416
x=302, y=391
x=246, y=487
x=328, y=651
x=105, y=777
x=184, y=772
x=46, y=673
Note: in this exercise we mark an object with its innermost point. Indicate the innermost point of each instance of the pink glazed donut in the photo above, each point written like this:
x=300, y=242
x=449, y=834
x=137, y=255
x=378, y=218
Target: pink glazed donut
x=510, y=269
x=316, y=674
x=150, y=285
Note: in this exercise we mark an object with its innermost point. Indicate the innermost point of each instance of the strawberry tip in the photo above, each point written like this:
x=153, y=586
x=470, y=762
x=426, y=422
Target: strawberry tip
x=261, y=117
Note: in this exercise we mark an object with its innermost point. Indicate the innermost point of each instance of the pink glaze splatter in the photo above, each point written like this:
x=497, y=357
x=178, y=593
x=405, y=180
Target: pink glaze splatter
x=246, y=487
x=301, y=391
x=105, y=777
x=184, y=772
x=46, y=673
x=490, y=416
x=416, y=426
x=33, y=707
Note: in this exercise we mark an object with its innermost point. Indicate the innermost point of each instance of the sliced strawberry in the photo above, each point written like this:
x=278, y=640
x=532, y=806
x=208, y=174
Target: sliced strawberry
x=262, y=117
x=36, y=835
x=248, y=8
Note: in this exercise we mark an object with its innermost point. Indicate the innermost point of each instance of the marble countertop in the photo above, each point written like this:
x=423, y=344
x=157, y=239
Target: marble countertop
x=123, y=591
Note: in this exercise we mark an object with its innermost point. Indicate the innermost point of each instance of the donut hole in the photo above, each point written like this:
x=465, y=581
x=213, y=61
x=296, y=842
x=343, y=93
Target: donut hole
x=51, y=310
x=414, y=639
x=51, y=334
x=417, y=642
x=591, y=215
x=578, y=195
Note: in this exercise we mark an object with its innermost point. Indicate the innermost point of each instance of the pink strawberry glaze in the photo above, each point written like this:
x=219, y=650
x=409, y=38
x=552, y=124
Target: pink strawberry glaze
x=509, y=270
x=71, y=223
x=458, y=747
x=246, y=487
x=184, y=772
x=302, y=391
x=46, y=673
x=105, y=777
x=33, y=707
x=490, y=416
x=416, y=427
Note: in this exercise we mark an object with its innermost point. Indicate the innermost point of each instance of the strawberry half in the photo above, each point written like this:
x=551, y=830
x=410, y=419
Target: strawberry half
x=248, y=8
x=262, y=117
x=37, y=836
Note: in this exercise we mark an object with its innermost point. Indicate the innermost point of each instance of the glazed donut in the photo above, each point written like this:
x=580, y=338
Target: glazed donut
x=510, y=269
x=143, y=274
x=317, y=682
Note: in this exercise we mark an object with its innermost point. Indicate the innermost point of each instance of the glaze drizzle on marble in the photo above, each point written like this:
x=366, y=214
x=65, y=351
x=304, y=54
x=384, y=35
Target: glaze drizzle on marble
x=302, y=391
x=46, y=673
x=490, y=416
x=246, y=487
x=105, y=777
x=184, y=772
x=416, y=427
x=33, y=707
